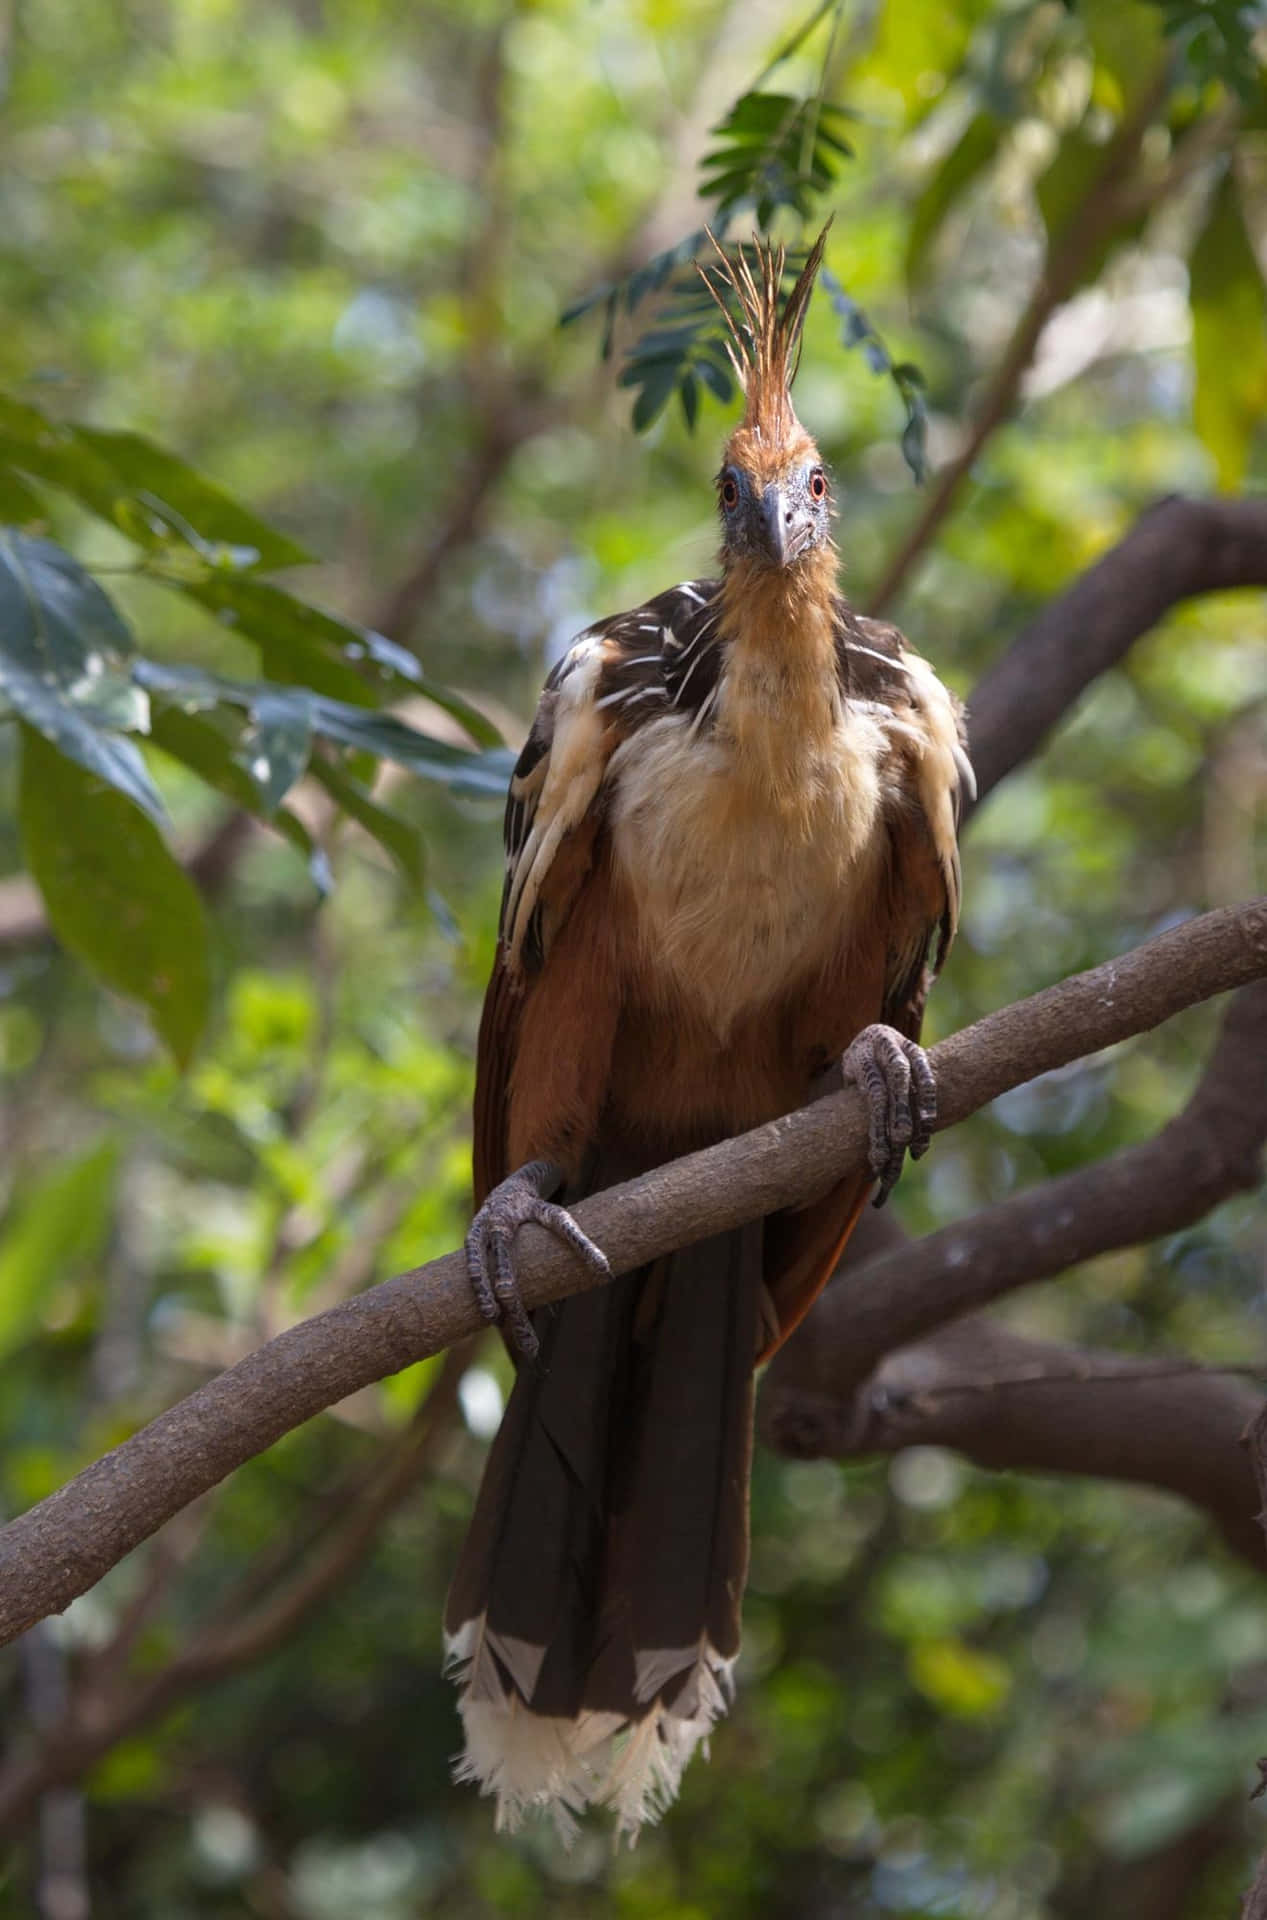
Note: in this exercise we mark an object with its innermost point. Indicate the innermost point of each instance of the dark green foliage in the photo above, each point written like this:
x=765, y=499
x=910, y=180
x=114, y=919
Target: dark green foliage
x=115, y=896
x=1216, y=40
x=65, y=664
x=319, y=250
x=70, y=670
x=856, y=330
x=774, y=152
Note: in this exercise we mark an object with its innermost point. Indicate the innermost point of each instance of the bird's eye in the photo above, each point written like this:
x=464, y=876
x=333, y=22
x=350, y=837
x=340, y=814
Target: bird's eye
x=729, y=494
x=818, y=484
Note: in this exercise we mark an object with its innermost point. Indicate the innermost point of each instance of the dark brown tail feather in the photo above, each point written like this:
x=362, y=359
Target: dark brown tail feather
x=594, y=1616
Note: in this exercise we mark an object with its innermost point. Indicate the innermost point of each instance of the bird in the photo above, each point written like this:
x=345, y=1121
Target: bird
x=732, y=873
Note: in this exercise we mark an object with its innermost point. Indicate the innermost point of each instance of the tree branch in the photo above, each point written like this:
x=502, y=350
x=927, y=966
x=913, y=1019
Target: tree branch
x=112, y=1702
x=1178, y=549
x=63, y=1546
x=1210, y=1150
x=1006, y=1401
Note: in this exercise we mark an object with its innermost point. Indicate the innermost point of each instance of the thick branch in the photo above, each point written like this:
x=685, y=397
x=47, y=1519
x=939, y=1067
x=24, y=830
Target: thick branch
x=113, y=1702
x=1180, y=548
x=1206, y=1153
x=61, y=1547
x=1010, y=1402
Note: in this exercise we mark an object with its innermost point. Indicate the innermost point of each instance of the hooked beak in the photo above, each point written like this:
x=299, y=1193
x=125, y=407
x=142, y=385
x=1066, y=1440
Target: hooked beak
x=785, y=532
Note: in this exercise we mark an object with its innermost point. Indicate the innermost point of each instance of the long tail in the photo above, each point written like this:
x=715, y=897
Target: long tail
x=593, y=1622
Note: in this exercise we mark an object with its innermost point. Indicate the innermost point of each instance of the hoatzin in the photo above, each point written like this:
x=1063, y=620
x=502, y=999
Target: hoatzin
x=731, y=862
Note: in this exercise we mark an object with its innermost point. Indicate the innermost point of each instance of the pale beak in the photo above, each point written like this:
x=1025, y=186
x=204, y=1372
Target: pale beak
x=784, y=532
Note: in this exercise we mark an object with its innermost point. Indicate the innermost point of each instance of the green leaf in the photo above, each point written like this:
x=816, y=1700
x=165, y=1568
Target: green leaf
x=1127, y=40
x=210, y=747
x=58, y=626
x=60, y=1221
x=296, y=642
x=774, y=150
x=1216, y=41
x=274, y=748
x=65, y=664
x=115, y=896
x=969, y=157
x=1229, y=337
x=1063, y=192
x=207, y=749
x=402, y=841
x=381, y=734
x=20, y=505
x=302, y=644
x=657, y=380
x=915, y=41
x=150, y=493
x=186, y=504
x=856, y=330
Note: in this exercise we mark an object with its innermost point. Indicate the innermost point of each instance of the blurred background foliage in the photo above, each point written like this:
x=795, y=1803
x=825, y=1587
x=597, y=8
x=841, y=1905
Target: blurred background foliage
x=320, y=249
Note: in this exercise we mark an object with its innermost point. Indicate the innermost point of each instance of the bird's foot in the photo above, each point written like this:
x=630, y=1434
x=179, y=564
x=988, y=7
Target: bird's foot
x=901, y=1094
x=489, y=1264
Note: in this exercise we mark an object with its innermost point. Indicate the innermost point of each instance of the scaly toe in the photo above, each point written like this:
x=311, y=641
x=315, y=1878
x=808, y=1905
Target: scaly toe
x=509, y=1300
x=490, y=1262
x=897, y=1083
x=477, y=1273
x=558, y=1221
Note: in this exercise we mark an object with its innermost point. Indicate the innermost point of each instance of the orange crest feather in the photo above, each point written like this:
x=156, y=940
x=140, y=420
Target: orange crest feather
x=764, y=345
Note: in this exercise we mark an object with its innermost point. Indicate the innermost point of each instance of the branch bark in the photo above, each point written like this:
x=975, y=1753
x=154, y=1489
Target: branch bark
x=63, y=1546
x=1178, y=549
x=111, y=1701
x=1206, y=1153
x=1005, y=1401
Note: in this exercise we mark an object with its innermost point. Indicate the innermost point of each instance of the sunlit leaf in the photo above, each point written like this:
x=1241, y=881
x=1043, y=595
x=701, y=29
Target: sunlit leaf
x=958, y=1678
x=1127, y=38
x=59, y=1221
x=1229, y=337
x=971, y=154
x=20, y=505
x=1062, y=192
x=916, y=48
x=115, y=896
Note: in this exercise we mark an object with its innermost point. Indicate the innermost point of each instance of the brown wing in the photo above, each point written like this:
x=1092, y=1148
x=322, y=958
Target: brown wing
x=554, y=996
x=916, y=909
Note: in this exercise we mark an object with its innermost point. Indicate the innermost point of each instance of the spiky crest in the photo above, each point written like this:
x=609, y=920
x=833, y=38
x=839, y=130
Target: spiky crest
x=764, y=345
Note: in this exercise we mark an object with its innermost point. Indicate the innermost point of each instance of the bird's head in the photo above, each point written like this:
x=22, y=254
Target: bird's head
x=773, y=492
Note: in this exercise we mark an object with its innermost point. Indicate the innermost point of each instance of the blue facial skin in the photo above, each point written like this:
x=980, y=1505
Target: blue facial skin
x=789, y=518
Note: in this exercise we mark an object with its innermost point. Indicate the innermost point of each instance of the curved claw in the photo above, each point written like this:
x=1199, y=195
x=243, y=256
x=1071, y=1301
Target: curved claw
x=489, y=1258
x=897, y=1081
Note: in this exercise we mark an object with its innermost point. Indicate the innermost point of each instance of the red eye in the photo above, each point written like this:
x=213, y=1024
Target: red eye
x=729, y=494
x=818, y=484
